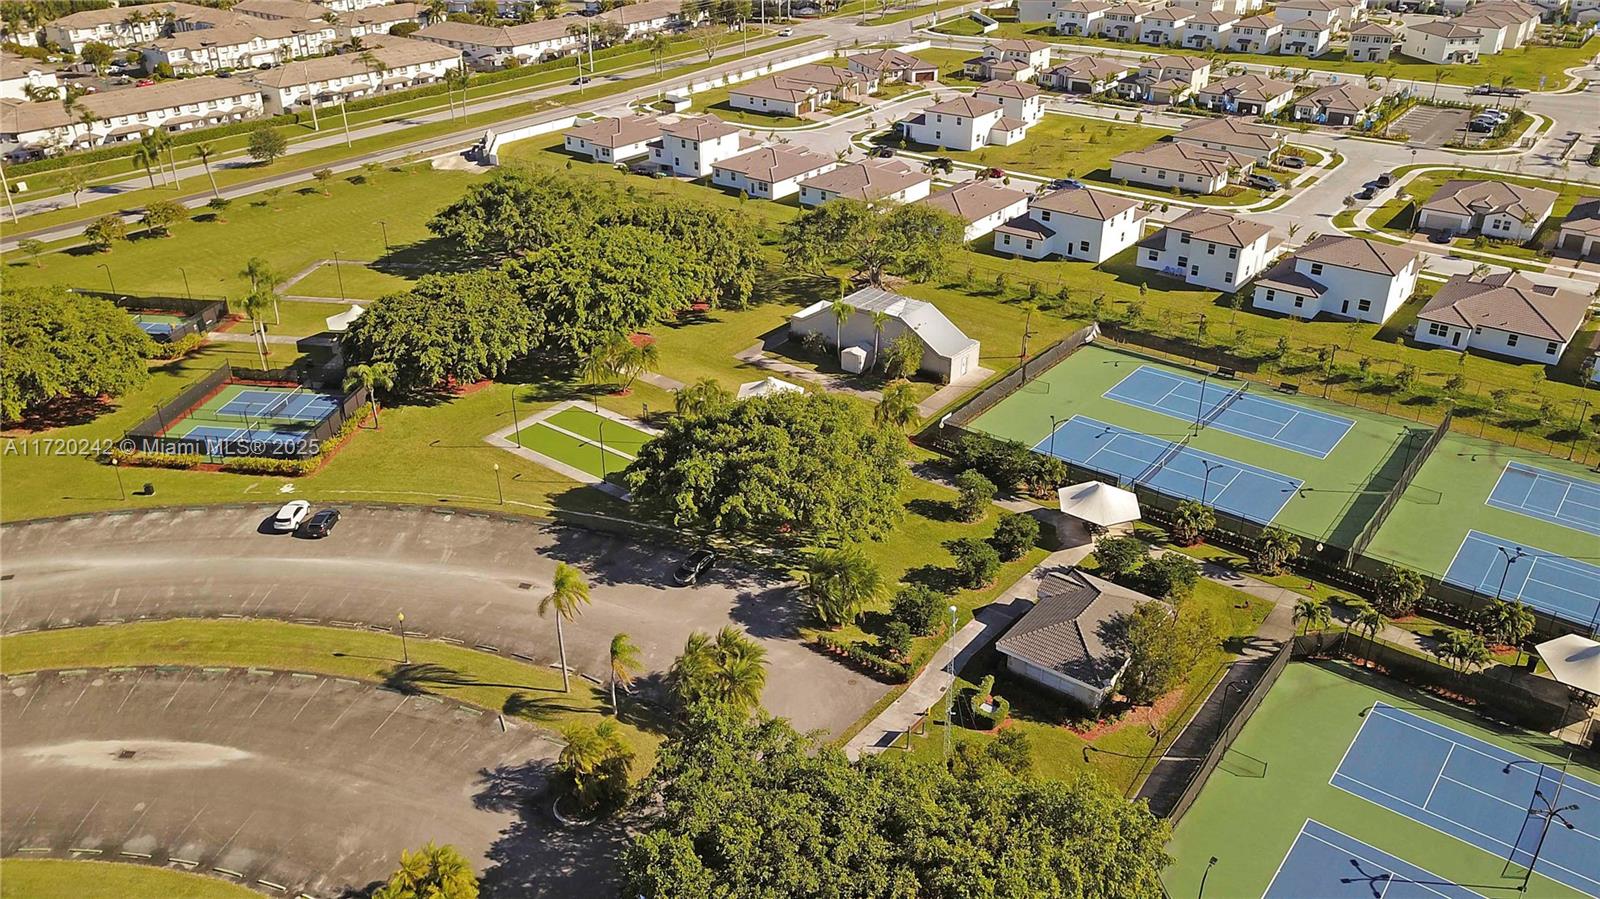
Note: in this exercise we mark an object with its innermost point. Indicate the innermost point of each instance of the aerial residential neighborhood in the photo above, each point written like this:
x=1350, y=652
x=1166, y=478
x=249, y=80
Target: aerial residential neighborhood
x=528, y=449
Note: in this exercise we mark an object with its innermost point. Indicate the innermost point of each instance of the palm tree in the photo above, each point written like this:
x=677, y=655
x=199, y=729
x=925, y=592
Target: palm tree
x=897, y=408
x=568, y=594
x=704, y=395
x=203, y=152
x=147, y=155
x=658, y=45
x=842, y=311
x=375, y=376
x=729, y=671
x=840, y=581
x=621, y=361
x=1312, y=612
x=432, y=871
x=1370, y=621
x=624, y=661
x=262, y=278
x=255, y=306
x=880, y=320
x=1438, y=76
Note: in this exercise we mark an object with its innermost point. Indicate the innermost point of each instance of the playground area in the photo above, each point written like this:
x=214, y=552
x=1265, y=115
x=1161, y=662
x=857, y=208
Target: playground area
x=1346, y=784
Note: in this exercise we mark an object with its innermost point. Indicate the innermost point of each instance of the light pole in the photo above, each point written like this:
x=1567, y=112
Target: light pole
x=602, y=429
x=108, y=277
x=405, y=655
x=1053, y=427
x=120, y=489
x=516, y=426
x=1203, y=877
x=499, y=489
x=338, y=275
x=1499, y=592
x=950, y=693
x=1205, y=483
x=1200, y=409
x=385, y=226
x=186, y=291
x=1549, y=813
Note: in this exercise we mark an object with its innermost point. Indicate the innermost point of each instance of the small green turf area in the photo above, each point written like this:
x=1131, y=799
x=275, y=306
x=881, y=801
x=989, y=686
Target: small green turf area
x=966, y=26
x=51, y=878
x=623, y=438
x=478, y=678
x=351, y=280
x=1398, y=216
x=1299, y=735
x=1448, y=497
x=1334, y=509
x=1060, y=146
x=580, y=453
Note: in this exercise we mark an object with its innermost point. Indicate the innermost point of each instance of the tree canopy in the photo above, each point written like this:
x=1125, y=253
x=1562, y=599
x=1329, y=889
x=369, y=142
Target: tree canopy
x=910, y=240
x=752, y=809
x=463, y=327
x=808, y=463
x=59, y=344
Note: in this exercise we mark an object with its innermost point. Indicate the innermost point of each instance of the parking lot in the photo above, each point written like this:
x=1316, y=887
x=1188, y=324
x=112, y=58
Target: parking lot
x=1433, y=126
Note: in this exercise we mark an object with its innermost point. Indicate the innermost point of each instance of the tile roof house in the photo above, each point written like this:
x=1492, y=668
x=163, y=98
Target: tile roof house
x=1305, y=37
x=644, y=17
x=614, y=140
x=1580, y=230
x=690, y=146
x=46, y=127
x=1257, y=34
x=1332, y=13
x=1165, y=27
x=1234, y=134
x=1495, y=209
x=487, y=46
x=770, y=173
x=1070, y=640
x=245, y=45
x=1209, y=249
x=799, y=90
x=377, y=20
x=1506, y=314
x=1345, y=103
x=1166, y=79
x=335, y=79
x=873, y=180
x=1082, y=18
x=996, y=114
x=893, y=65
x=947, y=353
x=1009, y=60
x=1501, y=25
x=1081, y=224
x=1441, y=43
x=1347, y=277
x=1121, y=21
x=1248, y=95
x=1086, y=74
x=983, y=204
x=1372, y=42
x=1209, y=30
x=1186, y=167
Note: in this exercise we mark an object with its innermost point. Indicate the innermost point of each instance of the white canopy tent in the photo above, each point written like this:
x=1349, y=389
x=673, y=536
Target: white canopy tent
x=767, y=387
x=1574, y=661
x=341, y=322
x=1099, y=503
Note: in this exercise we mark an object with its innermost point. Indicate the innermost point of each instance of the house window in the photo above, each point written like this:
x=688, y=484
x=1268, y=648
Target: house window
x=1299, y=302
x=1083, y=246
x=1511, y=340
x=1227, y=277
x=1550, y=348
x=1044, y=216
x=1270, y=294
x=1211, y=249
x=1316, y=268
x=1233, y=252
x=1364, y=305
x=1435, y=329
x=1154, y=256
x=1183, y=238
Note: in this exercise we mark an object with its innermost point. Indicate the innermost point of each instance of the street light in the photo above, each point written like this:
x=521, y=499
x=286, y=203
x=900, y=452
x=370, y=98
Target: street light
x=187, y=292
x=1499, y=592
x=338, y=274
x=108, y=276
x=516, y=426
x=120, y=490
x=950, y=693
x=1205, y=483
x=1053, y=427
x=1203, y=877
x=1200, y=409
x=405, y=655
x=499, y=489
x=385, y=226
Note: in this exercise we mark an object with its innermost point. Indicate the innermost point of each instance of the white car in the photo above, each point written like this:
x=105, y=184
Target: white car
x=290, y=516
x=787, y=32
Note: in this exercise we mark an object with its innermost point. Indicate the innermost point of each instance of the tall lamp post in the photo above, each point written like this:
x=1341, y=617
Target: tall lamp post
x=1203, y=877
x=1053, y=427
x=405, y=655
x=950, y=693
x=1499, y=593
x=385, y=226
x=1205, y=483
x=186, y=291
x=497, y=487
x=109, y=280
x=121, y=491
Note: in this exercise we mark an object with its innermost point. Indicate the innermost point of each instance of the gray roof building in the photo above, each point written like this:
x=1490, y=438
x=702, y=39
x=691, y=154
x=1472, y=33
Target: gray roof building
x=1069, y=641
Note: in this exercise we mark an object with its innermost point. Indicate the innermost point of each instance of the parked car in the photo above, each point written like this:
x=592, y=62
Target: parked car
x=1065, y=184
x=1499, y=115
x=289, y=517
x=1482, y=126
x=1264, y=182
x=1291, y=162
x=1440, y=237
x=1385, y=179
x=1367, y=193
x=787, y=32
x=693, y=566
x=143, y=82
x=581, y=80
x=1483, y=89
x=321, y=524
x=942, y=164
x=882, y=152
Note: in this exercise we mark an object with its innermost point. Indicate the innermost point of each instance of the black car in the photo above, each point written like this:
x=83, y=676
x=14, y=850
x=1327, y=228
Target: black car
x=1440, y=237
x=1481, y=126
x=882, y=152
x=1065, y=184
x=321, y=524
x=1366, y=193
x=693, y=567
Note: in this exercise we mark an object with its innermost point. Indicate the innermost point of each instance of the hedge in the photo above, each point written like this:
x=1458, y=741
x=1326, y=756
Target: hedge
x=894, y=672
x=991, y=719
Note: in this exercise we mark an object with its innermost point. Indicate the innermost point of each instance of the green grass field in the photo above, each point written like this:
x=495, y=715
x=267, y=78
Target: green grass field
x=352, y=280
x=584, y=452
x=1331, y=510
x=1061, y=146
x=1447, y=499
x=1301, y=731
x=50, y=878
x=1397, y=216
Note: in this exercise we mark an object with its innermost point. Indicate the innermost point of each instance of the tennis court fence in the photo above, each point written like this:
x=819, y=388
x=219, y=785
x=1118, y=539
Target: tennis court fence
x=200, y=314
x=1416, y=458
x=1023, y=374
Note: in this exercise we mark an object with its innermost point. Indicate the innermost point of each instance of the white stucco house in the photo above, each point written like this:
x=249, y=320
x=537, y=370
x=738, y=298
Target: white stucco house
x=1345, y=103
x=983, y=204
x=1372, y=42
x=947, y=354
x=241, y=46
x=1347, y=277
x=1496, y=209
x=1064, y=641
x=690, y=146
x=1580, y=230
x=1246, y=95
x=771, y=173
x=1209, y=30
x=1189, y=168
x=799, y=90
x=331, y=80
x=1506, y=314
x=1166, y=79
x=1009, y=60
x=1257, y=34
x=1442, y=43
x=1210, y=249
x=1234, y=134
x=45, y=128
x=1122, y=21
x=614, y=139
x=892, y=65
x=1081, y=18
x=19, y=73
x=491, y=46
x=875, y=180
x=1165, y=27
x=1335, y=14
x=1086, y=74
x=1087, y=225
x=1501, y=24
x=1305, y=37
x=998, y=114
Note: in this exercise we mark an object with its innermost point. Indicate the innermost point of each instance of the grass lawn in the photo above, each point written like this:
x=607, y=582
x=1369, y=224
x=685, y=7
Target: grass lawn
x=914, y=11
x=51, y=878
x=1061, y=146
x=481, y=679
x=950, y=63
x=353, y=280
x=1396, y=216
x=716, y=102
x=296, y=318
x=1525, y=65
x=966, y=26
x=1126, y=751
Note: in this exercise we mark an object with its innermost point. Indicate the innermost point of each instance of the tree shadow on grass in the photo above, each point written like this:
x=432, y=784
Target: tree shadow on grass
x=932, y=509
x=417, y=678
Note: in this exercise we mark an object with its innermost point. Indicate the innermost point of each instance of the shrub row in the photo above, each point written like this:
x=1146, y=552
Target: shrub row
x=894, y=672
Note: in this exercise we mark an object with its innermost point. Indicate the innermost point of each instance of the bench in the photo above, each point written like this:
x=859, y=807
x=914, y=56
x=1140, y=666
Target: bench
x=1289, y=387
x=1226, y=373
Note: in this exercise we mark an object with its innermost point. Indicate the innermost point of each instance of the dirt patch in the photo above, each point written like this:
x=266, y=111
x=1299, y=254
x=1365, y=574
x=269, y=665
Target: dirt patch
x=111, y=755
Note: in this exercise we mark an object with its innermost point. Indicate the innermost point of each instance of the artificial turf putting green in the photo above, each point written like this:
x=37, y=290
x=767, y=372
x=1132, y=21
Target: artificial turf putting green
x=51, y=878
x=1345, y=488
x=580, y=454
x=1300, y=732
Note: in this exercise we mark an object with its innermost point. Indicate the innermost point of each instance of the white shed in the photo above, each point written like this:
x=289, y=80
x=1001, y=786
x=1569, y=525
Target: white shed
x=947, y=353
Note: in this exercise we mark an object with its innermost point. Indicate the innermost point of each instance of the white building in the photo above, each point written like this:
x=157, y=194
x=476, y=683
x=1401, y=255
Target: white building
x=1580, y=230
x=1234, y=134
x=376, y=20
x=1210, y=30
x=1348, y=277
x=997, y=114
x=241, y=46
x=1247, y=95
x=397, y=65
x=1038, y=10
x=488, y=47
x=690, y=147
x=1495, y=209
x=1209, y=249
x=1123, y=21
x=1009, y=60
x=46, y=128
x=1086, y=225
x=1345, y=103
x=890, y=180
x=1185, y=167
x=1371, y=42
x=1505, y=314
x=1501, y=24
x=1441, y=43
x=1166, y=79
x=1165, y=27
x=1257, y=34
x=802, y=89
x=1063, y=642
x=1080, y=18
x=947, y=353
x=116, y=26
x=613, y=140
x=1306, y=37
x=1335, y=14
x=1086, y=74
x=771, y=173
x=645, y=17
x=883, y=66
x=19, y=73
x=983, y=204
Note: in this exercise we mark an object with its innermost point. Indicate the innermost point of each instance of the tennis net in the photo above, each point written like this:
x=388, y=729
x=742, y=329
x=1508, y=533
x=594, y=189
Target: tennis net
x=1222, y=407
x=1167, y=455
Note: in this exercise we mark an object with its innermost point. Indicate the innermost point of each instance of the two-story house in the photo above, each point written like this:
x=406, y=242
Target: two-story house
x=1495, y=209
x=1080, y=18
x=997, y=114
x=1506, y=314
x=1336, y=14
x=1166, y=79
x=1081, y=224
x=1306, y=37
x=1501, y=24
x=1348, y=277
x=1122, y=21
x=1165, y=27
x=691, y=146
x=1009, y=60
x=240, y=46
x=336, y=79
x=487, y=47
x=1441, y=43
x=1209, y=249
x=1210, y=30
x=1372, y=42
x=1257, y=34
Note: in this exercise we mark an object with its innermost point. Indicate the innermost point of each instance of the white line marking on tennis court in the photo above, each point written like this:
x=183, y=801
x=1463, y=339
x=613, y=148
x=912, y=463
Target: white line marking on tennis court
x=1440, y=776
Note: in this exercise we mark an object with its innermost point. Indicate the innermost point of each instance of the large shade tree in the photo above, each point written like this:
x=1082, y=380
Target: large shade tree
x=810, y=464
x=462, y=327
x=911, y=240
x=58, y=344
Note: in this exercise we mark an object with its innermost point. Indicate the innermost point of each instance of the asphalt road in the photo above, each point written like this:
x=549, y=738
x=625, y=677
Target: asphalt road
x=457, y=575
x=307, y=784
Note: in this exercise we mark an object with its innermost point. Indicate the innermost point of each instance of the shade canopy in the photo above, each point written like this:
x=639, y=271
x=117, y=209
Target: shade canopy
x=341, y=322
x=1099, y=503
x=767, y=387
x=1574, y=661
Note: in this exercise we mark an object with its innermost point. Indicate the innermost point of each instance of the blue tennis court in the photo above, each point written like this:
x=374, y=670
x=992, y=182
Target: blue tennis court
x=1548, y=496
x=218, y=438
x=294, y=406
x=1226, y=485
x=1325, y=863
x=1547, y=581
x=1476, y=792
x=157, y=324
x=1234, y=410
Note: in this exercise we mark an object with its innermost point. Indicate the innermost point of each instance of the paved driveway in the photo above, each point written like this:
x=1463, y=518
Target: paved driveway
x=458, y=575
x=278, y=781
x=1433, y=126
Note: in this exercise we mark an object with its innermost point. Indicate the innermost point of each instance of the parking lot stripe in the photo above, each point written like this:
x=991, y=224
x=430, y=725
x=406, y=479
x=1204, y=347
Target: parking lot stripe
x=313, y=695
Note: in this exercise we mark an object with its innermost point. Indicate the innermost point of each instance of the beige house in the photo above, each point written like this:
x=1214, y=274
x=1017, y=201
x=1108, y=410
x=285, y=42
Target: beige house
x=1184, y=167
x=1494, y=209
x=876, y=180
x=1345, y=103
x=613, y=140
x=770, y=173
x=1246, y=95
x=984, y=205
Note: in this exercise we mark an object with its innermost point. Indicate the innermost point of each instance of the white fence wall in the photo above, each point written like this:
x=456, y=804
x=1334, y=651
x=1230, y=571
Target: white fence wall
x=493, y=140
